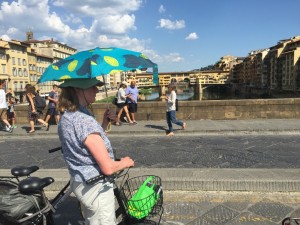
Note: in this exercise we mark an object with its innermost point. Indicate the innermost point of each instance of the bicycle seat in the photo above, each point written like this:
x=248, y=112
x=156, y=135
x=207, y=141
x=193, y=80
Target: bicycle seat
x=33, y=184
x=23, y=170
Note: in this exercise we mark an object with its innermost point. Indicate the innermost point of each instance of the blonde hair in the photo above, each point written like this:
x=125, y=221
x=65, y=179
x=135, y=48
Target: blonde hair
x=68, y=100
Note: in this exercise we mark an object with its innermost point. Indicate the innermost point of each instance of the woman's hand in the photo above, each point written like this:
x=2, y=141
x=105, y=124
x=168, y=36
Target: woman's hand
x=128, y=161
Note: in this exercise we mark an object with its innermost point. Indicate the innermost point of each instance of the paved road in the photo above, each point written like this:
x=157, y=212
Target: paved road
x=207, y=151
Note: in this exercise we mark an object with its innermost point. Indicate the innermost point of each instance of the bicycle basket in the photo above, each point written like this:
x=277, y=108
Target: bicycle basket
x=143, y=196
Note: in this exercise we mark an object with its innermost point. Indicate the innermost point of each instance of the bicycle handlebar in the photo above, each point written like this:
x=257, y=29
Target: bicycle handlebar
x=54, y=149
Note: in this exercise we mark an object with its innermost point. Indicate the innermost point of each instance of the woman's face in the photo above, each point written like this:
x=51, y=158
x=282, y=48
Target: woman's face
x=87, y=96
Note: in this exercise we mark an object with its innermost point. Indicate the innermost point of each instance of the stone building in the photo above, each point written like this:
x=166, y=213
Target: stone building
x=24, y=62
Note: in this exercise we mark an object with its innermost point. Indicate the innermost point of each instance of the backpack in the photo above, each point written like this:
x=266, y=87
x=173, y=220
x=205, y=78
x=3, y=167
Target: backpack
x=176, y=104
x=14, y=205
x=115, y=99
x=40, y=103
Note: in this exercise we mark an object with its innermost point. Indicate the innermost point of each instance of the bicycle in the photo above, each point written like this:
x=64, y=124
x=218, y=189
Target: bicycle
x=44, y=208
x=290, y=221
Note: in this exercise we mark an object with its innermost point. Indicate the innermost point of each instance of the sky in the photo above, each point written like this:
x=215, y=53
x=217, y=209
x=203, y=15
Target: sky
x=178, y=35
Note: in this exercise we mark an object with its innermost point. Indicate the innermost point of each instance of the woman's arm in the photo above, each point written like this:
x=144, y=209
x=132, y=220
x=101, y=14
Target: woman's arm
x=122, y=94
x=97, y=148
x=172, y=97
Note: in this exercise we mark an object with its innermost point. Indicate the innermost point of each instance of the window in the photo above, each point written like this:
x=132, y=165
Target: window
x=20, y=72
x=13, y=60
x=3, y=68
x=25, y=72
x=14, y=70
x=15, y=85
x=24, y=62
x=19, y=61
x=2, y=55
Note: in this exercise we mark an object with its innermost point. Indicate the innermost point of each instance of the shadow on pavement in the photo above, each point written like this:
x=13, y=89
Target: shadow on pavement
x=155, y=127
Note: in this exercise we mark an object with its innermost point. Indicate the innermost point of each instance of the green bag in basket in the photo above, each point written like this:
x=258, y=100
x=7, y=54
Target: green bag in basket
x=143, y=201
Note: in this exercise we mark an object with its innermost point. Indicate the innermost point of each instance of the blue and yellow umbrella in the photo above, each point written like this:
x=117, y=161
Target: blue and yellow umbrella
x=97, y=62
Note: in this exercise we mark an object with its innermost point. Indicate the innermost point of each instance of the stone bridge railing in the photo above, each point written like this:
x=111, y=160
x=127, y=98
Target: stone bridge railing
x=210, y=109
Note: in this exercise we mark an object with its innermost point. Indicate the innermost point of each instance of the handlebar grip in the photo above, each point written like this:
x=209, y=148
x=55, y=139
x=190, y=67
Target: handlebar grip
x=54, y=149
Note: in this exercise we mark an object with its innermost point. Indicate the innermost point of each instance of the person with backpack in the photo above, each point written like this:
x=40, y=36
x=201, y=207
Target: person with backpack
x=171, y=110
x=34, y=112
x=52, y=105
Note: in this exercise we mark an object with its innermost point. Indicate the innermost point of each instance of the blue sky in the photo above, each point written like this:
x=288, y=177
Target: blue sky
x=177, y=35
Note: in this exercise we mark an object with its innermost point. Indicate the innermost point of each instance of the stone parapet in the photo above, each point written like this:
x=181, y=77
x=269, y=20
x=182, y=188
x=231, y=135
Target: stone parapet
x=195, y=110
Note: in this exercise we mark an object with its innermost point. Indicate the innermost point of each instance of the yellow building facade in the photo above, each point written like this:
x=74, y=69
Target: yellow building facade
x=23, y=62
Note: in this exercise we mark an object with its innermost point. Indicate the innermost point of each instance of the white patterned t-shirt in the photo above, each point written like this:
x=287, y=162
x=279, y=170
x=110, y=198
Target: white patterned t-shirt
x=73, y=129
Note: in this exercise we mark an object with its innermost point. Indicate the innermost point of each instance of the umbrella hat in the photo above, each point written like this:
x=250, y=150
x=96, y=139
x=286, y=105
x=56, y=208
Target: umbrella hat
x=97, y=62
x=81, y=83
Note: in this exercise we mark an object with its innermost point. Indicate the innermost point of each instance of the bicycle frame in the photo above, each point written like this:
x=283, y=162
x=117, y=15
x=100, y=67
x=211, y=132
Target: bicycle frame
x=290, y=221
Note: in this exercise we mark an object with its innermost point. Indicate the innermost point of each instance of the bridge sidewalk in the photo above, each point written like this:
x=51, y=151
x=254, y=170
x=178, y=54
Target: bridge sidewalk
x=194, y=127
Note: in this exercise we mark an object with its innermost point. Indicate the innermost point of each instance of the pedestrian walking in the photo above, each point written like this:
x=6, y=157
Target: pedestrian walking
x=133, y=94
x=88, y=151
x=11, y=116
x=3, y=107
x=52, y=106
x=171, y=110
x=33, y=114
x=121, y=103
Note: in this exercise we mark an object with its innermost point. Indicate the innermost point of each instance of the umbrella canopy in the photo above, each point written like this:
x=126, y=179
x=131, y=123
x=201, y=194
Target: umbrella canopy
x=97, y=62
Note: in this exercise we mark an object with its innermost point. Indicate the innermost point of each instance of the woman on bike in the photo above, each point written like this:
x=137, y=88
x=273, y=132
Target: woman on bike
x=87, y=151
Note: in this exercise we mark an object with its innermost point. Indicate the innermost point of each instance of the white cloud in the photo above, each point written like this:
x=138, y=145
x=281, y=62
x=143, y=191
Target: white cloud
x=173, y=57
x=121, y=24
x=100, y=7
x=5, y=37
x=171, y=25
x=58, y=3
x=70, y=23
x=192, y=36
x=72, y=19
x=161, y=9
x=81, y=25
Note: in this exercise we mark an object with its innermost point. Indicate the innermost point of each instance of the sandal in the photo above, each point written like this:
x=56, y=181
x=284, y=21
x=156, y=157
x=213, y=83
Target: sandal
x=31, y=131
